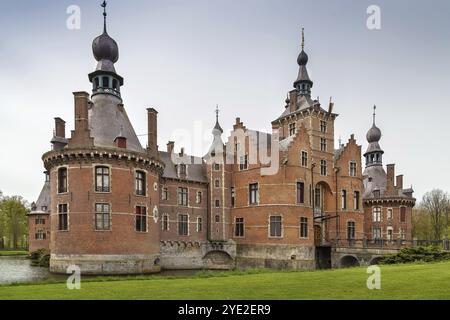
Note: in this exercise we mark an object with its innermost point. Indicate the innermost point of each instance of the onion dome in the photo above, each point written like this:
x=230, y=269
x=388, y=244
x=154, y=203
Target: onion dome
x=105, y=48
x=217, y=128
x=302, y=59
x=374, y=134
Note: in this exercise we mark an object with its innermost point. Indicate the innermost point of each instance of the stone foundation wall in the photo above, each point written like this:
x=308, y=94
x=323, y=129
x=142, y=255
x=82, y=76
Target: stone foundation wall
x=106, y=264
x=275, y=256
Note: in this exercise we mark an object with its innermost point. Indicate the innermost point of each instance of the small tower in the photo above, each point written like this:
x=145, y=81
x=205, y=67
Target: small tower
x=303, y=84
x=104, y=79
x=374, y=153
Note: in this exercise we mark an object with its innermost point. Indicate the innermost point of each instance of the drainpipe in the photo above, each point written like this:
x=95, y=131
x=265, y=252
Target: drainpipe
x=336, y=171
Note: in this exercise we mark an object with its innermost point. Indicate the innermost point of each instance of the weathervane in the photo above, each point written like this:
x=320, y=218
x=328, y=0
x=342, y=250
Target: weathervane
x=103, y=5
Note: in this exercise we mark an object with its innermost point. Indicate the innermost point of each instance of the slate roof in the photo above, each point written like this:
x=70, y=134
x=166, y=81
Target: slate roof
x=195, y=167
x=43, y=200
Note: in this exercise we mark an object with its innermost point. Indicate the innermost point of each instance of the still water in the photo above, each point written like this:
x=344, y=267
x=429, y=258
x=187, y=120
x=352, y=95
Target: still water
x=20, y=270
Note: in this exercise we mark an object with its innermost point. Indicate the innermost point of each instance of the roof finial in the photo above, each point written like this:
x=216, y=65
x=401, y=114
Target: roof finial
x=374, y=113
x=104, y=4
x=303, y=38
x=217, y=113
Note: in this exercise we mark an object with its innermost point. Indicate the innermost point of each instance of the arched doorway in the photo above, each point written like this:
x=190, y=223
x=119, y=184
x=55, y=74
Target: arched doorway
x=375, y=261
x=218, y=260
x=349, y=261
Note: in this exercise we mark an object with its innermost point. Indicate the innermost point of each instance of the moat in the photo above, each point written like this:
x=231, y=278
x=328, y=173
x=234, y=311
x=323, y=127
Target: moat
x=18, y=269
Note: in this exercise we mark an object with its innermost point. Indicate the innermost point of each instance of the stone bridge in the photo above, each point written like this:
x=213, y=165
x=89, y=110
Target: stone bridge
x=343, y=257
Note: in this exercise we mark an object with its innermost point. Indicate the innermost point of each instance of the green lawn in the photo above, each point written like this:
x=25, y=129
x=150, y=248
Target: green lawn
x=13, y=253
x=413, y=281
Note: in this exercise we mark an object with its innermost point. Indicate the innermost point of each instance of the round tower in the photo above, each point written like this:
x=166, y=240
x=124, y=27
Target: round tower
x=103, y=183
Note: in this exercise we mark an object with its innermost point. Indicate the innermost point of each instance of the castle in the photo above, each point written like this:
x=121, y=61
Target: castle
x=278, y=200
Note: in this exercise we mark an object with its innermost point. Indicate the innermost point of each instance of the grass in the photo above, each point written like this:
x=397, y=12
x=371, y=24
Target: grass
x=409, y=281
x=13, y=253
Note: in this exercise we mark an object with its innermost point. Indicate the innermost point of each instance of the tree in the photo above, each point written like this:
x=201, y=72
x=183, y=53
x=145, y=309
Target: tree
x=13, y=219
x=436, y=203
x=422, y=228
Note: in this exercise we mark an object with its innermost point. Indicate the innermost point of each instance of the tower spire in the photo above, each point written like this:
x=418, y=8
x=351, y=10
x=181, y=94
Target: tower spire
x=217, y=127
x=303, y=39
x=104, y=4
x=374, y=113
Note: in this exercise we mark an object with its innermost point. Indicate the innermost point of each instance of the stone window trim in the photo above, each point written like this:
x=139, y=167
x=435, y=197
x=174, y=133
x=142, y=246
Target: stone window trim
x=180, y=196
x=237, y=232
x=243, y=162
x=95, y=213
x=304, y=158
x=67, y=179
x=249, y=196
x=164, y=193
x=199, y=225
x=389, y=217
x=135, y=178
x=350, y=228
x=216, y=167
x=351, y=168
x=142, y=205
x=377, y=214
x=198, y=197
x=323, y=144
x=400, y=208
x=302, y=221
x=323, y=126
x=165, y=218
x=40, y=235
x=297, y=196
x=216, y=183
x=68, y=216
x=344, y=200
x=292, y=128
x=323, y=168
x=94, y=183
x=188, y=225
x=268, y=226
x=356, y=200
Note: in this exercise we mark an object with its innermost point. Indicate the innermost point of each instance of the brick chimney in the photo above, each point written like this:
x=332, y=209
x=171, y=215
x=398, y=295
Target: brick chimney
x=399, y=182
x=390, y=178
x=170, y=147
x=81, y=135
x=293, y=100
x=152, y=115
x=60, y=128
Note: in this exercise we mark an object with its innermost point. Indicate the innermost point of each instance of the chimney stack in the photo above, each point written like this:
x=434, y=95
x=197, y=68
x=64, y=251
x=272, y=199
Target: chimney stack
x=170, y=147
x=390, y=178
x=152, y=131
x=60, y=128
x=399, y=183
x=81, y=136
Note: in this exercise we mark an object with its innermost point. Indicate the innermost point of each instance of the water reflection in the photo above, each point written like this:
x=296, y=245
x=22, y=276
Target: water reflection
x=20, y=270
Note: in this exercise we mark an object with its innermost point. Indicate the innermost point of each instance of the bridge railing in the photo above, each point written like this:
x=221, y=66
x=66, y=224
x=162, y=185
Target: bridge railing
x=389, y=244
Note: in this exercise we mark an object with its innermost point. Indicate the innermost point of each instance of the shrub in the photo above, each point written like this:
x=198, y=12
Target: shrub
x=40, y=258
x=416, y=254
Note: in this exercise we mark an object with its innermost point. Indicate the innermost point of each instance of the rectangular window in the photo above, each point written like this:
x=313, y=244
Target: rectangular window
x=199, y=224
x=323, y=144
x=62, y=180
x=105, y=82
x=165, y=193
x=317, y=198
x=40, y=219
x=217, y=203
x=243, y=162
x=323, y=126
x=352, y=169
x=183, y=196
x=376, y=214
x=141, y=219
x=199, y=197
x=239, y=227
x=62, y=217
x=233, y=196
x=304, y=159
x=102, y=216
x=183, y=224
x=344, y=199
x=182, y=169
x=102, y=180
x=140, y=183
x=323, y=167
x=303, y=227
x=253, y=193
x=292, y=129
x=216, y=167
x=275, y=226
x=300, y=192
x=376, y=233
x=402, y=234
x=389, y=214
x=40, y=235
x=217, y=183
x=356, y=200
x=351, y=230
x=402, y=214
x=165, y=222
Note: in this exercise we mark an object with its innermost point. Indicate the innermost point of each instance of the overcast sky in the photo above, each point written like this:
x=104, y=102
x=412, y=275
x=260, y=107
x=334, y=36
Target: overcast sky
x=184, y=57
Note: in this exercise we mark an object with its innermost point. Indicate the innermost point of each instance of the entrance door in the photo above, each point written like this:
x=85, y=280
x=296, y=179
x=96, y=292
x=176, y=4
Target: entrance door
x=317, y=235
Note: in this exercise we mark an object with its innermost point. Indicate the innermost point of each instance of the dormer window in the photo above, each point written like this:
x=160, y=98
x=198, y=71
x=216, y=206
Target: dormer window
x=182, y=169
